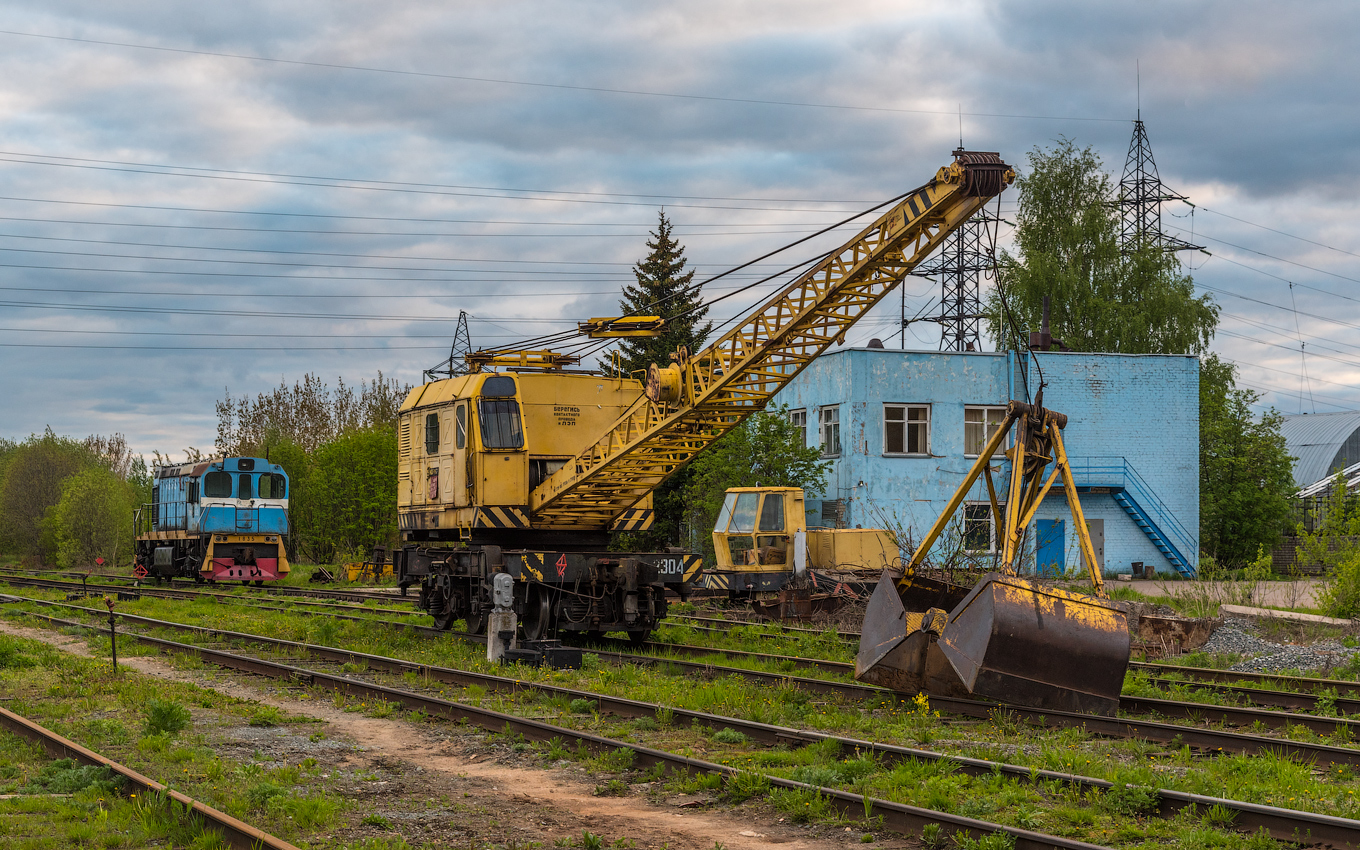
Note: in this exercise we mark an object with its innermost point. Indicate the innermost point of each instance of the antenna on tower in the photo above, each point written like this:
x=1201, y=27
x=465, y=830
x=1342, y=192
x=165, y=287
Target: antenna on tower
x=458, y=352
x=1141, y=195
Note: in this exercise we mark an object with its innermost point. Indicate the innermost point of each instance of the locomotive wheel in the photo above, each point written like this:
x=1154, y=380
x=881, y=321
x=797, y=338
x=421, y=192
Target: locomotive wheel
x=442, y=611
x=476, y=623
x=537, y=615
x=259, y=582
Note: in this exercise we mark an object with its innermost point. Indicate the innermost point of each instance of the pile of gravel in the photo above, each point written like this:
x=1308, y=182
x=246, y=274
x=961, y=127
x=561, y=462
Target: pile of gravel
x=1263, y=656
x=1231, y=637
x=1325, y=654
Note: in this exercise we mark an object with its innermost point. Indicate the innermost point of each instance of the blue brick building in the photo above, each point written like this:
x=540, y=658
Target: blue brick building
x=902, y=429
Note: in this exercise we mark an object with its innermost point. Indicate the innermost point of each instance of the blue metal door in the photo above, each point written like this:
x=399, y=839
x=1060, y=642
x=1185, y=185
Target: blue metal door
x=1051, y=561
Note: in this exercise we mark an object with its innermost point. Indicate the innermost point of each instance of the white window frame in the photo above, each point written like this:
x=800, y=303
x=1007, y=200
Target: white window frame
x=994, y=531
x=986, y=429
x=822, y=423
x=906, y=421
x=794, y=416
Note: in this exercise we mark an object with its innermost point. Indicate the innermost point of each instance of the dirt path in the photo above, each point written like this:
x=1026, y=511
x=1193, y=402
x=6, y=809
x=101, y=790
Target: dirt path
x=526, y=804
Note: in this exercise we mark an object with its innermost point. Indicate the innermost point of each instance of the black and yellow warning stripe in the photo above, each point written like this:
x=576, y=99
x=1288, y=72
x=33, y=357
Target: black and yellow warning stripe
x=637, y=519
x=501, y=517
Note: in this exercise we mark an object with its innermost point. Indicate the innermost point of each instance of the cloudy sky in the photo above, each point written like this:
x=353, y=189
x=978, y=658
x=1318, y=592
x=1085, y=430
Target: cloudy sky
x=202, y=198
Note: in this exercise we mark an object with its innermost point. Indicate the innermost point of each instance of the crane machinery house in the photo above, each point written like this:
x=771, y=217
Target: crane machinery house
x=902, y=428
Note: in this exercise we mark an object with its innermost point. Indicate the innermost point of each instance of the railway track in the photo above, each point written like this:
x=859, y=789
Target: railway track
x=1285, y=824
x=272, y=589
x=250, y=598
x=905, y=819
x=1280, y=690
x=238, y=833
x=1197, y=737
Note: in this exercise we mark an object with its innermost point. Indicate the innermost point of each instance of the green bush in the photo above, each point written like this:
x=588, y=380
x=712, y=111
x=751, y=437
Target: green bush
x=259, y=794
x=12, y=656
x=64, y=776
x=729, y=736
x=166, y=717
x=1340, y=597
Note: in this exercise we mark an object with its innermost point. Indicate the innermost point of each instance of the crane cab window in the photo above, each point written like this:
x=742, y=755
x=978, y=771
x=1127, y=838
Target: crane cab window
x=772, y=512
x=244, y=490
x=217, y=485
x=499, y=421
x=460, y=426
x=741, y=507
x=431, y=433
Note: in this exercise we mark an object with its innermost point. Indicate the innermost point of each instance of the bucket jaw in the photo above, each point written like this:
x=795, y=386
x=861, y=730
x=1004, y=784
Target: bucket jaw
x=1009, y=640
x=894, y=641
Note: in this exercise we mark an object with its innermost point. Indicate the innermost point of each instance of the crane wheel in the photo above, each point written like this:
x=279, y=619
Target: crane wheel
x=476, y=624
x=538, y=623
x=640, y=637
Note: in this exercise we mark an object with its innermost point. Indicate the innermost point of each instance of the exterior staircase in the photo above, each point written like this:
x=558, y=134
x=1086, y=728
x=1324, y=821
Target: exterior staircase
x=1114, y=475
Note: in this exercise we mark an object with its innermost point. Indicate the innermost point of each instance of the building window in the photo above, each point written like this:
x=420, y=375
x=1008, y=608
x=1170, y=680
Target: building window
x=906, y=429
x=831, y=431
x=979, y=424
x=981, y=530
x=798, y=419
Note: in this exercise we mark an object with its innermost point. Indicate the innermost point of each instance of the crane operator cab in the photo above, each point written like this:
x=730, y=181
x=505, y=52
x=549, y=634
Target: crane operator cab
x=761, y=543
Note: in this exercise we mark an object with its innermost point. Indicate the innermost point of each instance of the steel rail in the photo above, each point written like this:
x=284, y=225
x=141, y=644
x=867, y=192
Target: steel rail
x=1205, y=674
x=907, y=820
x=1264, y=696
x=1285, y=824
x=767, y=624
x=240, y=834
x=281, y=590
x=255, y=602
x=188, y=593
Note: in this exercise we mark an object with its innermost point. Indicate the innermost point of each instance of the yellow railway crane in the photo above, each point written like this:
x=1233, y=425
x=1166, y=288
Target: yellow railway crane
x=525, y=469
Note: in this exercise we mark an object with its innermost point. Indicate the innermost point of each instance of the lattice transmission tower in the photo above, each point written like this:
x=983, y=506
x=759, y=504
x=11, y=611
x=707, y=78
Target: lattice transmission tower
x=1141, y=195
x=462, y=346
x=966, y=256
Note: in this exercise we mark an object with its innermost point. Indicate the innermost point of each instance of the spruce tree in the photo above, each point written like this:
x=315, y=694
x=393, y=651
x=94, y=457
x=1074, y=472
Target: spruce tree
x=664, y=288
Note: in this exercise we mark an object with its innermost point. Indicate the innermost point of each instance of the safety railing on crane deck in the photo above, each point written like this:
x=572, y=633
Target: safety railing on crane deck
x=1116, y=473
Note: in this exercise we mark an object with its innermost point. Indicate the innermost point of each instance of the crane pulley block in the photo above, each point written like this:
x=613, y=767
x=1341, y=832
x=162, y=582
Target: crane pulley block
x=545, y=359
x=605, y=328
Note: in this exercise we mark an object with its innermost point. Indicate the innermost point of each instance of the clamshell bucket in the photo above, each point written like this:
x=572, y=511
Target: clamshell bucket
x=1016, y=641
x=1009, y=640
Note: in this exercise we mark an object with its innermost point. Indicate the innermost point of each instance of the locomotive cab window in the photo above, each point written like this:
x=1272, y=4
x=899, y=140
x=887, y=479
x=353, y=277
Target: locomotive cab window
x=245, y=488
x=273, y=486
x=460, y=426
x=217, y=485
x=431, y=433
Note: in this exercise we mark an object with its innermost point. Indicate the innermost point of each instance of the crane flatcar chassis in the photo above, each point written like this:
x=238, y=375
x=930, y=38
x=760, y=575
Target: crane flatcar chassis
x=555, y=592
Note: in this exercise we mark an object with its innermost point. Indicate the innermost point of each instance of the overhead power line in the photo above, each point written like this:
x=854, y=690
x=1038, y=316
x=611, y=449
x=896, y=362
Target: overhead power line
x=543, y=85
x=411, y=184
x=400, y=190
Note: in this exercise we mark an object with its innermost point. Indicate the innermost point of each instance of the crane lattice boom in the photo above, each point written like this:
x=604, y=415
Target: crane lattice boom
x=697, y=399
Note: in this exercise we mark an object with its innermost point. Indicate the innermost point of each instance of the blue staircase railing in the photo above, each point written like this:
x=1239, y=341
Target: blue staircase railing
x=1137, y=498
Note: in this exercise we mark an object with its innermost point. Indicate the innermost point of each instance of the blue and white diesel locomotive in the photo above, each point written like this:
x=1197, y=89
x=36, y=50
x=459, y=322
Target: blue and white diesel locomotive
x=220, y=520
